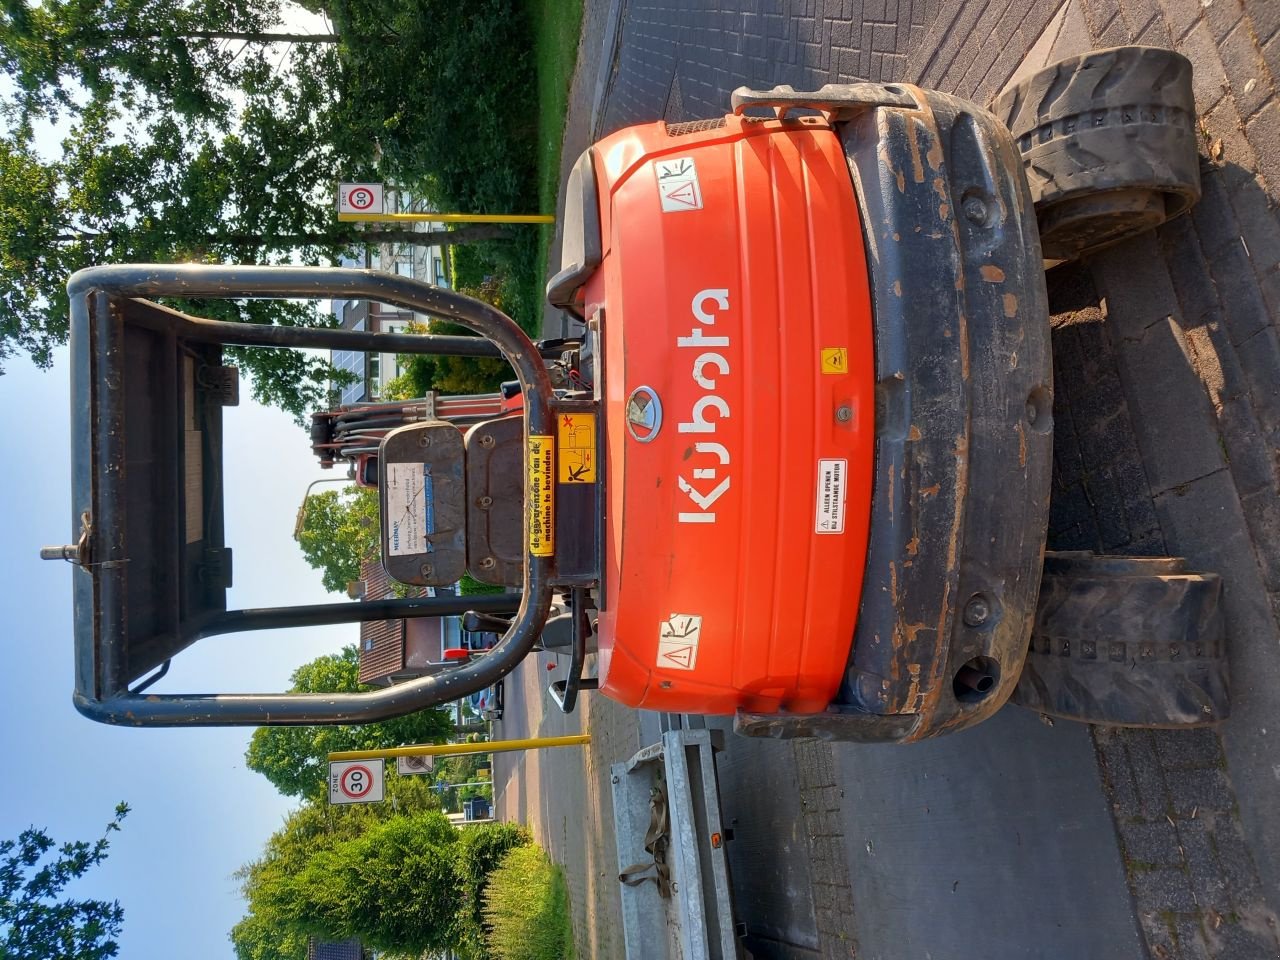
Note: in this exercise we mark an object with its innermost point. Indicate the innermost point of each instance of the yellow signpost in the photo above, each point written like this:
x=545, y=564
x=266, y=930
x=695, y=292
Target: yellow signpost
x=462, y=749
x=364, y=203
x=447, y=217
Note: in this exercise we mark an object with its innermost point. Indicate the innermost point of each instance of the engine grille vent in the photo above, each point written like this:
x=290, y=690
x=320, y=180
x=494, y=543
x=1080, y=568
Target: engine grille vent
x=694, y=126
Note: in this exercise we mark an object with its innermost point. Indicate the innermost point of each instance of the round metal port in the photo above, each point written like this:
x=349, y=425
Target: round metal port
x=975, y=681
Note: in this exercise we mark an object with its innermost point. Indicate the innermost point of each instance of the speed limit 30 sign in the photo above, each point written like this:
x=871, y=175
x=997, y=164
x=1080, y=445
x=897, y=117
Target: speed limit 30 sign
x=355, y=781
x=359, y=198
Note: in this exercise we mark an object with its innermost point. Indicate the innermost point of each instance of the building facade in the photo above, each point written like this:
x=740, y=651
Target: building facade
x=425, y=261
x=401, y=649
x=328, y=950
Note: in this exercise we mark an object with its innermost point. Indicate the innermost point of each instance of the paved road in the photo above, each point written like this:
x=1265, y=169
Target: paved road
x=1020, y=840
x=1001, y=833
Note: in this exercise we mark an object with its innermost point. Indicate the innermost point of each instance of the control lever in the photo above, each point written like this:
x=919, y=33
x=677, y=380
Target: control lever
x=474, y=622
x=565, y=692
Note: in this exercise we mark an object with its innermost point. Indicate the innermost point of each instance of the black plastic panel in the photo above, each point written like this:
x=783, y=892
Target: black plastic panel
x=495, y=518
x=581, y=247
x=166, y=456
x=422, y=495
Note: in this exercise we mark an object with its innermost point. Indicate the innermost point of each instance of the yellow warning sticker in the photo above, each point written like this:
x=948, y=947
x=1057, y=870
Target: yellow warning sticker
x=576, y=451
x=542, y=496
x=835, y=359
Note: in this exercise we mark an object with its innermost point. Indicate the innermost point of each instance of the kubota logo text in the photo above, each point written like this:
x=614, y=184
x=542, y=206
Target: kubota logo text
x=708, y=410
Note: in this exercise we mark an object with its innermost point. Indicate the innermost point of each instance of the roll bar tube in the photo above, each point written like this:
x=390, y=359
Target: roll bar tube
x=116, y=705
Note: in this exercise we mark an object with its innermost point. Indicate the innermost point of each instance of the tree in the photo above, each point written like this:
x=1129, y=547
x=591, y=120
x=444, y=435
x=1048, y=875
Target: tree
x=339, y=531
x=182, y=147
x=270, y=930
x=400, y=878
x=456, y=375
x=176, y=193
x=127, y=50
x=295, y=759
x=38, y=923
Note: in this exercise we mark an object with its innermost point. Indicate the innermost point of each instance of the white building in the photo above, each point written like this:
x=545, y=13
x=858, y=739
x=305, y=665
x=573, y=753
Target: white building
x=421, y=261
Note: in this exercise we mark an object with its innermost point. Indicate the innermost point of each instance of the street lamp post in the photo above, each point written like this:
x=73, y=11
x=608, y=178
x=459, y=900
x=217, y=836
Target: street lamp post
x=302, y=507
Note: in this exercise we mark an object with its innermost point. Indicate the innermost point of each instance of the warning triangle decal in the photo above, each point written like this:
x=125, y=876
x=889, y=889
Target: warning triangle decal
x=680, y=655
x=684, y=193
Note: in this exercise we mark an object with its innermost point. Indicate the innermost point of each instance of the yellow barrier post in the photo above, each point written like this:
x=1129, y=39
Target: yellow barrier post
x=462, y=749
x=447, y=217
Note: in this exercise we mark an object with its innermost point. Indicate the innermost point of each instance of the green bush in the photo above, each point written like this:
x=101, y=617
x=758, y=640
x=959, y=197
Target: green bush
x=526, y=908
x=394, y=886
x=480, y=851
x=453, y=376
x=469, y=586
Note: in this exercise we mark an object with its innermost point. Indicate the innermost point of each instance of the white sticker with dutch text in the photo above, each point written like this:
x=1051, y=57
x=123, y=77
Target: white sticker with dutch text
x=832, y=480
x=411, y=508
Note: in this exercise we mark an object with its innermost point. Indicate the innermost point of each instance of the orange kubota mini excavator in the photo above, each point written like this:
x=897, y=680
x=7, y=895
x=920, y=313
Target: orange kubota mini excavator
x=795, y=466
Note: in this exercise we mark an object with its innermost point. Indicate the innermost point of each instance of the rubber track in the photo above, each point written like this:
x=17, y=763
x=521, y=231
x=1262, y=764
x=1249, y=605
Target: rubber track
x=1103, y=79
x=1109, y=120
x=1136, y=650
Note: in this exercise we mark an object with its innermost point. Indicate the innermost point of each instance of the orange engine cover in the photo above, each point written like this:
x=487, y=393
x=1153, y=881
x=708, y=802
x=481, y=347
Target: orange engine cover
x=737, y=335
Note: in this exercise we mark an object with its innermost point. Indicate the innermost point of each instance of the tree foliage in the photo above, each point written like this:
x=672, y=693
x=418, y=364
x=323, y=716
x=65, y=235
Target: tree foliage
x=457, y=375
x=339, y=531
x=37, y=921
x=188, y=135
x=295, y=759
x=270, y=930
x=397, y=875
x=128, y=50
x=148, y=165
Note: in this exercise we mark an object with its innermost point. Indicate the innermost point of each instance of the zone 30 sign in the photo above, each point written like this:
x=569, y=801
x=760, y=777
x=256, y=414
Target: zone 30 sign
x=355, y=781
x=359, y=198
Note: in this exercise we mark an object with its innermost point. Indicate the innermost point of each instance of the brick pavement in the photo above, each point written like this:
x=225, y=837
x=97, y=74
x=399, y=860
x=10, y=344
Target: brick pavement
x=821, y=797
x=678, y=60
x=1134, y=438
x=1167, y=366
x=1167, y=372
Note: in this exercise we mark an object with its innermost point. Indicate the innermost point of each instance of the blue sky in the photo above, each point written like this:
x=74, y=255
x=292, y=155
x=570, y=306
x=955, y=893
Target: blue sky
x=198, y=813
